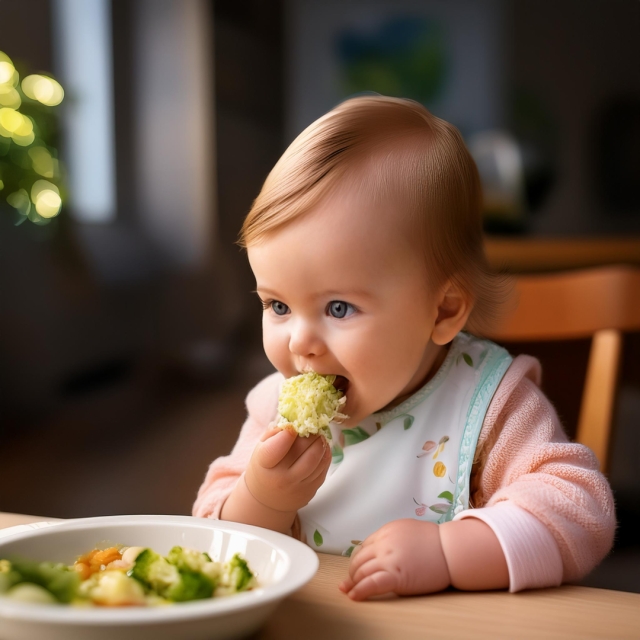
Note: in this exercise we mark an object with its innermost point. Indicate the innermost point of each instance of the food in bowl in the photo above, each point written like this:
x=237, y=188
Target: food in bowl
x=125, y=576
x=309, y=402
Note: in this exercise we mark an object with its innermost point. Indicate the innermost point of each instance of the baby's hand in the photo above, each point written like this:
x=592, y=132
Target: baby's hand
x=285, y=470
x=403, y=557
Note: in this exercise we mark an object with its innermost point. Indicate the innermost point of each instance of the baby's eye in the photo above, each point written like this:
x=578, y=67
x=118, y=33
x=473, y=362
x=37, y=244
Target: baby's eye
x=340, y=309
x=279, y=308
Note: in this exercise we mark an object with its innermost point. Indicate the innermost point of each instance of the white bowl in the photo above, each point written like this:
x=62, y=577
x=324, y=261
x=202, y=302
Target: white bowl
x=281, y=565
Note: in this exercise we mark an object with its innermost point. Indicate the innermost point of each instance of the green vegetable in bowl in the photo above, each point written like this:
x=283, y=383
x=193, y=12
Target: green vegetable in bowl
x=125, y=576
x=309, y=402
x=238, y=576
x=159, y=575
x=58, y=579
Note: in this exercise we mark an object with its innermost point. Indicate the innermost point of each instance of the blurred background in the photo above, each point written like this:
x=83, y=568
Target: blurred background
x=134, y=135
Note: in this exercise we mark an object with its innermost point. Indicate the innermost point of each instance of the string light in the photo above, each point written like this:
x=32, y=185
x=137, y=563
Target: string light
x=31, y=160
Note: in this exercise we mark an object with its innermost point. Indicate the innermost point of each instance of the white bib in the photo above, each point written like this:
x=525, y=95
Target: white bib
x=413, y=461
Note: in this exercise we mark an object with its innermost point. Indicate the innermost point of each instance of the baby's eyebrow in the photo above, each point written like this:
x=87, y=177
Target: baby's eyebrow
x=360, y=293
x=329, y=293
x=260, y=290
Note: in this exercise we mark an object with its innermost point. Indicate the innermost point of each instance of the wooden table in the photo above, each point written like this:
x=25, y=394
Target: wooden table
x=319, y=611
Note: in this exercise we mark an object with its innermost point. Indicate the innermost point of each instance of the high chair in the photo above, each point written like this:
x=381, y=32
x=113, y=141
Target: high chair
x=600, y=303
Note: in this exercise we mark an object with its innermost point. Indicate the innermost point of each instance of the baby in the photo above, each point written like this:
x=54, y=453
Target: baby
x=452, y=468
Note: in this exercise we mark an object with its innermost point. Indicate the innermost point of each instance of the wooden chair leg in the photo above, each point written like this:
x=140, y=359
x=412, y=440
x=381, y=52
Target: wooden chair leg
x=598, y=399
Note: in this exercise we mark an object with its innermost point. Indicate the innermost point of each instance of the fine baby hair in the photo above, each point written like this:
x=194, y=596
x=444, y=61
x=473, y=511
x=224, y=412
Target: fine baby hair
x=392, y=150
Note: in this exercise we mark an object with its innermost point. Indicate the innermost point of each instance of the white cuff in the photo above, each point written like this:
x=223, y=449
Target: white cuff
x=531, y=552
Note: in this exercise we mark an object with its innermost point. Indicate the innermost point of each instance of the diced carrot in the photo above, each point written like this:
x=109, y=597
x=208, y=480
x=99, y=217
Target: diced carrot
x=83, y=569
x=106, y=556
x=86, y=558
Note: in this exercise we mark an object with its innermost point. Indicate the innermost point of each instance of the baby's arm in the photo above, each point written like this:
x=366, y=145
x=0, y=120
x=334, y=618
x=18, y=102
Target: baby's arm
x=224, y=472
x=543, y=496
x=270, y=473
x=411, y=557
x=547, y=512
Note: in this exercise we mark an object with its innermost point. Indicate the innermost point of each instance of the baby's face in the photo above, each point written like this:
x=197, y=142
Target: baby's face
x=344, y=293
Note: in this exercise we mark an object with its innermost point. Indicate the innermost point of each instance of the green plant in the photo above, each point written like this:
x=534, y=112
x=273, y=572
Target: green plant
x=31, y=179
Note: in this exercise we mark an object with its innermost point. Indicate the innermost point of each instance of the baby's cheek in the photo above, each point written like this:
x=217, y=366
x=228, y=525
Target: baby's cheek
x=276, y=349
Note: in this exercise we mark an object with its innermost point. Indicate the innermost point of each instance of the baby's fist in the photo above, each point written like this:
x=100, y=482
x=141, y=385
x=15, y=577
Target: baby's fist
x=403, y=557
x=285, y=470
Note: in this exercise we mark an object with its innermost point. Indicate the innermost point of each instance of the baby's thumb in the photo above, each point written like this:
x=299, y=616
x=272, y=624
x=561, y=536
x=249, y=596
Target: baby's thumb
x=274, y=447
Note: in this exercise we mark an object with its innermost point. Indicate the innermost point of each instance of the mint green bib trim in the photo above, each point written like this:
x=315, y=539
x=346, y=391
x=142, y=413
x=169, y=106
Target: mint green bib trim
x=496, y=361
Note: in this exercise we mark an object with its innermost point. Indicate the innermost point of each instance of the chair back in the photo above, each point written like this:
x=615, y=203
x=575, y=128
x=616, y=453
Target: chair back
x=600, y=303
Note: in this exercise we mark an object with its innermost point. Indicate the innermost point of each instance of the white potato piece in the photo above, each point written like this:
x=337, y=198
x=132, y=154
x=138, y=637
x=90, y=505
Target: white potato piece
x=130, y=554
x=32, y=593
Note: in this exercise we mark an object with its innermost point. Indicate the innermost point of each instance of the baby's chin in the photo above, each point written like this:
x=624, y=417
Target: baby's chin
x=358, y=408
x=356, y=416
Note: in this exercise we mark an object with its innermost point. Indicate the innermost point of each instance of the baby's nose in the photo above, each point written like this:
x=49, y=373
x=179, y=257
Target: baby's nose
x=305, y=340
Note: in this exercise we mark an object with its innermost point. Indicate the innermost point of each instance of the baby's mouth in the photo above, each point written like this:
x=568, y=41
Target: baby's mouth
x=341, y=384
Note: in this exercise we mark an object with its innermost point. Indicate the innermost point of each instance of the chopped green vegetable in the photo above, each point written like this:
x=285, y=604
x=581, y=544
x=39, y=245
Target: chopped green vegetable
x=175, y=581
x=191, y=586
x=310, y=402
x=58, y=579
x=154, y=572
x=236, y=575
x=183, y=575
x=187, y=559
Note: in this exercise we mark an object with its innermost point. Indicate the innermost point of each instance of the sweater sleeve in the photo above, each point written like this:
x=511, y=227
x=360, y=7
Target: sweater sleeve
x=224, y=472
x=544, y=497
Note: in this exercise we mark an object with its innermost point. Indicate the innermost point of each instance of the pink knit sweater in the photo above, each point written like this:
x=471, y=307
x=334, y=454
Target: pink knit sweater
x=549, y=506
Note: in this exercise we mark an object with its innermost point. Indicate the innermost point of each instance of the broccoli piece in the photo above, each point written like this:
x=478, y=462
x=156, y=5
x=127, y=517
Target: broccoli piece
x=58, y=579
x=169, y=581
x=310, y=402
x=152, y=571
x=237, y=576
x=187, y=559
x=8, y=577
x=191, y=586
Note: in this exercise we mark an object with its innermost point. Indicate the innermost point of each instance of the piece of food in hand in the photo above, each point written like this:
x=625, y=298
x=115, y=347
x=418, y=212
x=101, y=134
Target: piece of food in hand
x=309, y=402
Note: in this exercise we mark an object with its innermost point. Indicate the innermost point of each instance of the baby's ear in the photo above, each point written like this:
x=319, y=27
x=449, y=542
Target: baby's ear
x=454, y=307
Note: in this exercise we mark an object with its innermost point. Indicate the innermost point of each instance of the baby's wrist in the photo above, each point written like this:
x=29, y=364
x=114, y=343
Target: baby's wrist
x=444, y=580
x=243, y=506
x=474, y=556
x=259, y=500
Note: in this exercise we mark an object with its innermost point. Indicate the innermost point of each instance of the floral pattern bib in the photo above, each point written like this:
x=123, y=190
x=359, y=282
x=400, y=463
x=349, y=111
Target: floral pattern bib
x=413, y=461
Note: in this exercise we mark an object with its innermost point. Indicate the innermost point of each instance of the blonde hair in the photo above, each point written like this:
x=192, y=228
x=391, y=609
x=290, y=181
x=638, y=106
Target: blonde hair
x=382, y=146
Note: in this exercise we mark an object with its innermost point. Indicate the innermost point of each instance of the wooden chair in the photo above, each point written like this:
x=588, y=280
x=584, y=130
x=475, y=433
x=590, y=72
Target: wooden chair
x=600, y=303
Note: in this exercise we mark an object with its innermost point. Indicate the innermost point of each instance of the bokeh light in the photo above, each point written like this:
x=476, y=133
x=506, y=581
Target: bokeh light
x=28, y=135
x=7, y=70
x=46, y=198
x=19, y=200
x=43, y=89
x=16, y=126
x=9, y=97
x=10, y=119
x=43, y=162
